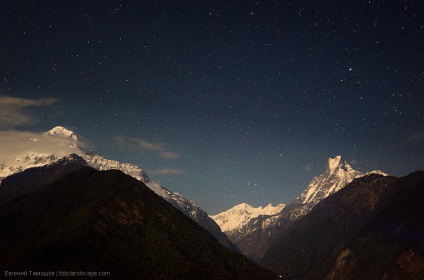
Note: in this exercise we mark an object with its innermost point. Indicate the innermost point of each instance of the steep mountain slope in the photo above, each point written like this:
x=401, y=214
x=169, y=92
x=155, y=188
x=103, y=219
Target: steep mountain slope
x=36, y=178
x=391, y=245
x=337, y=175
x=256, y=236
x=66, y=140
x=259, y=233
x=91, y=220
x=346, y=236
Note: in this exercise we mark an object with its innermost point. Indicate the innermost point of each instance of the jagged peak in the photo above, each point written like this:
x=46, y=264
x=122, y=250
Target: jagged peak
x=244, y=205
x=338, y=174
x=241, y=214
x=240, y=206
x=269, y=206
x=269, y=209
x=61, y=132
x=338, y=163
x=237, y=208
x=333, y=163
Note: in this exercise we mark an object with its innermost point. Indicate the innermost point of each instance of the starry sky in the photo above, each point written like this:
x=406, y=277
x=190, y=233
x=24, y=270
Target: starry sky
x=222, y=101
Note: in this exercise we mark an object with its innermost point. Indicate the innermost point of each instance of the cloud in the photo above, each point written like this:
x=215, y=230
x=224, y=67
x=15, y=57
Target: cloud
x=416, y=136
x=25, y=102
x=159, y=148
x=166, y=171
x=154, y=147
x=16, y=143
x=354, y=161
x=169, y=155
x=14, y=110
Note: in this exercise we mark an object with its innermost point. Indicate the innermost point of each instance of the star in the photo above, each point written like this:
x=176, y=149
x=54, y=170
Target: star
x=219, y=91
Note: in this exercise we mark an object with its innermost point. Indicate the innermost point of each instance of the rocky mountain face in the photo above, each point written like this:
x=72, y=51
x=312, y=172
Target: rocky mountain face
x=76, y=218
x=370, y=229
x=69, y=141
x=337, y=175
x=256, y=236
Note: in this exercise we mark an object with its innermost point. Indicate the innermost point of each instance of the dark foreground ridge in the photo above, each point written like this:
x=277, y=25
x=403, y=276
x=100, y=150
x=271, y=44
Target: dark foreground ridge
x=36, y=178
x=90, y=220
x=371, y=229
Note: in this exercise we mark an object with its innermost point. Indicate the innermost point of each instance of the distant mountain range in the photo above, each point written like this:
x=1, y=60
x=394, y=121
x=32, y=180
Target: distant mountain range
x=68, y=140
x=75, y=213
x=254, y=234
x=67, y=216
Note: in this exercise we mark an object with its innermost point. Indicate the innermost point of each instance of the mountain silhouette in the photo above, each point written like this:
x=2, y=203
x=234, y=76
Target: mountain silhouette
x=89, y=220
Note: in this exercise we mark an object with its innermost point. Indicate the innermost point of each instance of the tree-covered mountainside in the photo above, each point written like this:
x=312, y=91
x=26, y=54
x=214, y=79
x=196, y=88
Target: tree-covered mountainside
x=91, y=220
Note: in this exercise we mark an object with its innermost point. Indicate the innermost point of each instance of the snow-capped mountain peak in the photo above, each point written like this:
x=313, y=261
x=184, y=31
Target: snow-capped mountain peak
x=50, y=147
x=337, y=175
x=60, y=131
x=333, y=163
x=338, y=165
x=241, y=214
x=256, y=236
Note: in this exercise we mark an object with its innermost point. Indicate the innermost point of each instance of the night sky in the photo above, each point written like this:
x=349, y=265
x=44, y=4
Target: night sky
x=222, y=101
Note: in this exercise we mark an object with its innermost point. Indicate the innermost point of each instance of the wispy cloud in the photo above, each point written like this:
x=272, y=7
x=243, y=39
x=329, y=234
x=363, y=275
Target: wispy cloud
x=14, y=110
x=159, y=148
x=354, y=161
x=16, y=143
x=166, y=171
x=416, y=136
x=169, y=155
x=154, y=147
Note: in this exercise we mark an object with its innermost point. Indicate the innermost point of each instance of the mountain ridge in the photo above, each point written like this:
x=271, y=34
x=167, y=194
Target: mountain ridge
x=364, y=231
x=256, y=236
x=90, y=220
x=69, y=141
x=241, y=214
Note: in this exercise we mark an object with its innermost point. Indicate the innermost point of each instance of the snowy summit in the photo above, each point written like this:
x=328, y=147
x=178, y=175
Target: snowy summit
x=337, y=175
x=241, y=214
x=51, y=146
x=60, y=131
